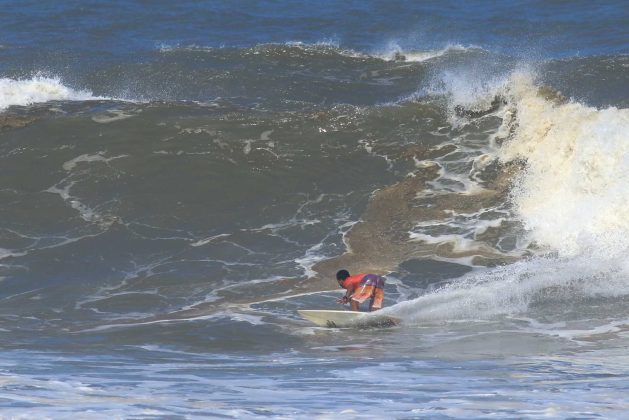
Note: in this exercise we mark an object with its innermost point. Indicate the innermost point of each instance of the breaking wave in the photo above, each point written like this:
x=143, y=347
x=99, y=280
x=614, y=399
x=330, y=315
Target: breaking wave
x=572, y=196
x=569, y=196
x=39, y=89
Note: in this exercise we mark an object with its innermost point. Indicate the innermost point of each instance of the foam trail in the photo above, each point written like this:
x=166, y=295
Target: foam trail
x=512, y=289
x=39, y=89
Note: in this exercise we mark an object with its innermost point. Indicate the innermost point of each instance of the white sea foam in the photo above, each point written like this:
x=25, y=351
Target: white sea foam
x=98, y=157
x=206, y=241
x=573, y=195
x=312, y=256
x=471, y=88
x=64, y=187
x=37, y=90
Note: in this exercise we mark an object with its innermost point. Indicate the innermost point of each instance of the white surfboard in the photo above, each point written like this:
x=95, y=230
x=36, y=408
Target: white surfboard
x=345, y=319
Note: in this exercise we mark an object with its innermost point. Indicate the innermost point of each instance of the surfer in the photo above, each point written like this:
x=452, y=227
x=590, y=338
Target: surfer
x=361, y=287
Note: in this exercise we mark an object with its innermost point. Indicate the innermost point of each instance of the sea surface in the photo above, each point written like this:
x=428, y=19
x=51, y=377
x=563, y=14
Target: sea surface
x=177, y=179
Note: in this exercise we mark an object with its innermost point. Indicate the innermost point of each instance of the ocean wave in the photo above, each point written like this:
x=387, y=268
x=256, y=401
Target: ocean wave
x=323, y=47
x=167, y=48
x=572, y=195
x=395, y=52
x=39, y=89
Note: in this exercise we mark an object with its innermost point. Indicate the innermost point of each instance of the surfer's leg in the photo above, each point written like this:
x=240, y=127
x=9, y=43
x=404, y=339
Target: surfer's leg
x=377, y=298
x=355, y=306
x=378, y=295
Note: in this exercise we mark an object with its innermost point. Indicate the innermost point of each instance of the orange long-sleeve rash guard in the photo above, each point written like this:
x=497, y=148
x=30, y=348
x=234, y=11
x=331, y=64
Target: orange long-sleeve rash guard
x=352, y=282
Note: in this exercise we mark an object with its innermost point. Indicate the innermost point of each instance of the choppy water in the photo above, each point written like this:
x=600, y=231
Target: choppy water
x=178, y=179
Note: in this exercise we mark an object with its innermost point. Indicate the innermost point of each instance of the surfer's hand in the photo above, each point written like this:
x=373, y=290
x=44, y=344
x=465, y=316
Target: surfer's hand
x=342, y=300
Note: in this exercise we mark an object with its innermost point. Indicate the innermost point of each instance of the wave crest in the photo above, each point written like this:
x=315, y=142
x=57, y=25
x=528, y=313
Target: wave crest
x=39, y=89
x=572, y=196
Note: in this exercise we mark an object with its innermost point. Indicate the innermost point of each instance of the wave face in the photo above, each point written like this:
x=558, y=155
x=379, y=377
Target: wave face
x=471, y=161
x=178, y=180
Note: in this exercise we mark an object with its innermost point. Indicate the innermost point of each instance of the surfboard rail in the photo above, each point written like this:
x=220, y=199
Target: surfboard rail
x=347, y=319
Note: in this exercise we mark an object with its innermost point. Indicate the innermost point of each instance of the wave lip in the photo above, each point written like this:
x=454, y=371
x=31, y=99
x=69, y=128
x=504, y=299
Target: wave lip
x=395, y=52
x=321, y=47
x=39, y=89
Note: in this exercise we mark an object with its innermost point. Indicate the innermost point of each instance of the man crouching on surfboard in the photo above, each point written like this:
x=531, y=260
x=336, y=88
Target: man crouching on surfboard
x=360, y=288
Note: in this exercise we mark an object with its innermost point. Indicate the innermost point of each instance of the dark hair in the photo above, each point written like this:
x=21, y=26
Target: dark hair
x=342, y=275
